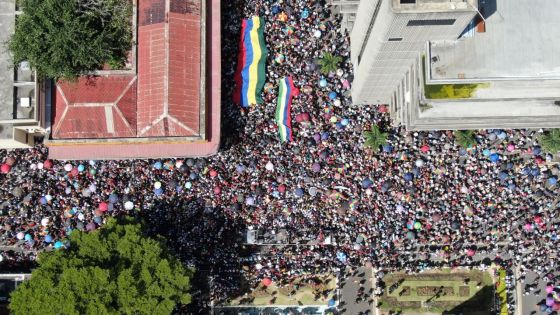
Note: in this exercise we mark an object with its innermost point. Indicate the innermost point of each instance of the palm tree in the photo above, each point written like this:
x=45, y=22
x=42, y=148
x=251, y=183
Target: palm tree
x=465, y=138
x=329, y=63
x=550, y=141
x=375, y=138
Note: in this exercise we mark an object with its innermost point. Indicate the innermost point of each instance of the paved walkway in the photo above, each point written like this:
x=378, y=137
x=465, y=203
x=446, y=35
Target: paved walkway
x=350, y=288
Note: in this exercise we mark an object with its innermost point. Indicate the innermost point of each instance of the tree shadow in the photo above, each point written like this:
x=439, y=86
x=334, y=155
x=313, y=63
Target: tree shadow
x=481, y=303
x=205, y=238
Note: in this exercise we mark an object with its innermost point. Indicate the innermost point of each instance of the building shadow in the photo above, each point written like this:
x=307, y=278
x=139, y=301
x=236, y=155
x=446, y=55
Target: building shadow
x=482, y=303
x=233, y=122
x=202, y=237
x=487, y=7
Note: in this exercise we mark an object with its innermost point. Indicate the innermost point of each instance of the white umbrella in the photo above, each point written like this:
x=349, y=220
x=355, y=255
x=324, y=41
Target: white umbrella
x=269, y=166
x=258, y=266
x=129, y=205
x=317, y=34
x=92, y=188
x=20, y=236
x=45, y=221
x=68, y=167
x=40, y=165
x=157, y=185
x=419, y=163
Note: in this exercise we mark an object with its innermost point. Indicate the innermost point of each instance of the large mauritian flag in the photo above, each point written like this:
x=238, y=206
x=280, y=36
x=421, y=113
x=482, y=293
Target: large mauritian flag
x=249, y=77
x=283, y=119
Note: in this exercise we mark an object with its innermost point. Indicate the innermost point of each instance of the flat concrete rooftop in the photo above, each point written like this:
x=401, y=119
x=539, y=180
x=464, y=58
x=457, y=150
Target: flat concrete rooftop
x=521, y=41
x=7, y=25
x=433, y=5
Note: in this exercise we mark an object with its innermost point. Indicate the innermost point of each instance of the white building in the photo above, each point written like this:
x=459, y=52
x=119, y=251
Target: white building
x=505, y=51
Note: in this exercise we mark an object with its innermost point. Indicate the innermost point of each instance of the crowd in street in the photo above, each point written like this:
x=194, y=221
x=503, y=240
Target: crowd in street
x=387, y=209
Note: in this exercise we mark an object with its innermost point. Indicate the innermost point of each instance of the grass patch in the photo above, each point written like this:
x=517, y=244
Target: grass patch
x=448, y=91
x=300, y=292
x=457, y=291
x=502, y=291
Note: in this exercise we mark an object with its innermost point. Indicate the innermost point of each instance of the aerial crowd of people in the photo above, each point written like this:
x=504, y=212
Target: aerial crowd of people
x=421, y=200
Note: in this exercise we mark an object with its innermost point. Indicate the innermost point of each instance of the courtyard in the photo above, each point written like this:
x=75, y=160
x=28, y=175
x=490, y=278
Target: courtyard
x=438, y=292
x=315, y=291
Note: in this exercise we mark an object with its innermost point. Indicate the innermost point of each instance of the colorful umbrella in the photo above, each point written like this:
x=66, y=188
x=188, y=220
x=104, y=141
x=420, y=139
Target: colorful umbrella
x=103, y=206
x=341, y=257
x=48, y=164
x=129, y=205
x=410, y=235
x=266, y=282
x=282, y=17
x=5, y=168
x=279, y=58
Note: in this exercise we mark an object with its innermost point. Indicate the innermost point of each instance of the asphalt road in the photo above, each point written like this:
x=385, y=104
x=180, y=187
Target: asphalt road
x=349, y=291
x=529, y=302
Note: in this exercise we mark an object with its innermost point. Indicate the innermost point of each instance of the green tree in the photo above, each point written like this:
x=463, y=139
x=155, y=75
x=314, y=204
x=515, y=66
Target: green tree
x=465, y=138
x=375, y=138
x=550, y=141
x=329, y=63
x=113, y=270
x=64, y=39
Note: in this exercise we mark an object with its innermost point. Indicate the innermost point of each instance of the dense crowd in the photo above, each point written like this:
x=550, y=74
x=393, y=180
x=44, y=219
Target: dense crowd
x=421, y=200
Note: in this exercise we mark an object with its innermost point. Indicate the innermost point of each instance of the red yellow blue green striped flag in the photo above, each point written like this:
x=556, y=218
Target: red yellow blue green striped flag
x=283, y=118
x=250, y=74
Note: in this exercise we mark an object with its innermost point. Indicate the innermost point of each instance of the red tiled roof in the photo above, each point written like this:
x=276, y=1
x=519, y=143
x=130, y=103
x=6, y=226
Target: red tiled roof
x=156, y=149
x=164, y=101
x=93, y=107
x=168, y=69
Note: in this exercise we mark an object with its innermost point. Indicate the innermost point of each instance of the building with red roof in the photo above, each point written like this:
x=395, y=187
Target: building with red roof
x=166, y=105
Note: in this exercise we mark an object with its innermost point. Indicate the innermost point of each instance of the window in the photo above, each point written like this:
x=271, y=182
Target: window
x=408, y=1
x=430, y=22
x=395, y=39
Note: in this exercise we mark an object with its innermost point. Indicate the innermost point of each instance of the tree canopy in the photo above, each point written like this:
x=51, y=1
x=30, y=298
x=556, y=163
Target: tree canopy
x=329, y=62
x=113, y=270
x=64, y=39
x=375, y=138
x=465, y=138
x=550, y=141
